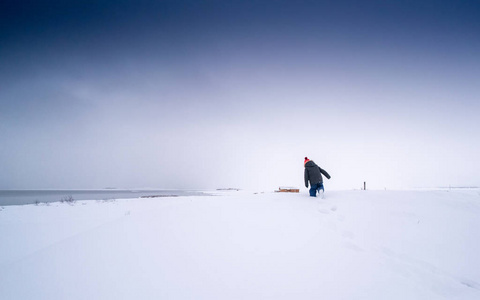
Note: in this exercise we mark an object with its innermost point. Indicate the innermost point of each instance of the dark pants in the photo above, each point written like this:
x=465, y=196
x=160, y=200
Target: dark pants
x=316, y=187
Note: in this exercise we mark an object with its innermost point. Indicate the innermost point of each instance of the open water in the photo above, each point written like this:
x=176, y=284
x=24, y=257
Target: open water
x=21, y=197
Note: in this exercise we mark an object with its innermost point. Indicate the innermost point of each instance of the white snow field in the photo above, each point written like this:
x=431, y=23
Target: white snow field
x=241, y=245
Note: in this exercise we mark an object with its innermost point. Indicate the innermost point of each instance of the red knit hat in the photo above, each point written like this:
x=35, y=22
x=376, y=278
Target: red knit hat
x=306, y=160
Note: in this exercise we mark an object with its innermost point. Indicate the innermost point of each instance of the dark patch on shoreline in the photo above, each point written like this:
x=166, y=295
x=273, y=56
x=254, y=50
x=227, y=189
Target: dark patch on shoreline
x=158, y=196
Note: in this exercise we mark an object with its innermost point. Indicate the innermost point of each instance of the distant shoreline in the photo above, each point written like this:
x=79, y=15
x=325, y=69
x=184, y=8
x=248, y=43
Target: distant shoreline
x=26, y=197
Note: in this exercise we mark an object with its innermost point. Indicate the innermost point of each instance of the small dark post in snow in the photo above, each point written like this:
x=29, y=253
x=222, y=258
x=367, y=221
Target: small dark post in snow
x=364, y=185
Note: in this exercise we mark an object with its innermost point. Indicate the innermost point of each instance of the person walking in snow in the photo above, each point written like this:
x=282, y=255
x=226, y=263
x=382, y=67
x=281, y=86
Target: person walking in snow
x=313, y=173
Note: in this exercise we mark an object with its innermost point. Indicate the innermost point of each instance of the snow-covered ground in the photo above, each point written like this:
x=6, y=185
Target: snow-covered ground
x=241, y=245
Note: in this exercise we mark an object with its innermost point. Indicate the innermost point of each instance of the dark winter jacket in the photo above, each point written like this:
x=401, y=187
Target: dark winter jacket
x=313, y=173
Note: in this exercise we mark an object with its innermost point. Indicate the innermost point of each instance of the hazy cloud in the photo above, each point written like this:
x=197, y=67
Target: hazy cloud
x=188, y=94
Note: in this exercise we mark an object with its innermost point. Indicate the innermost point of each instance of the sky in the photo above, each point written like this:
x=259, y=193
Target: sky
x=218, y=94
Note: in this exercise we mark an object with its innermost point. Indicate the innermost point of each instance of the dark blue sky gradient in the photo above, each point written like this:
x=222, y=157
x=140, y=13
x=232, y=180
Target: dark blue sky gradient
x=103, y=26
x=101, y=91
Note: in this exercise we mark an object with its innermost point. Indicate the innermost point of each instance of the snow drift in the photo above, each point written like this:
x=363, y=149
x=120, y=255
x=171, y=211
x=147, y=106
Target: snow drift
x=241, y=245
